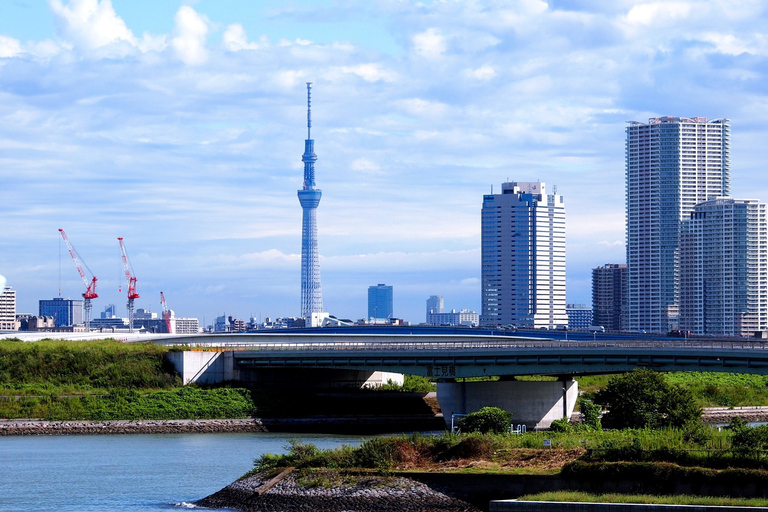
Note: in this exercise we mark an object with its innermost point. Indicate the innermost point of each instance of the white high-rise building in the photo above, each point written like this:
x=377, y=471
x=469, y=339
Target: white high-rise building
x=523, y=257
x=724, y=268
x=8, y=309
x=672, y=164
x=435, y=304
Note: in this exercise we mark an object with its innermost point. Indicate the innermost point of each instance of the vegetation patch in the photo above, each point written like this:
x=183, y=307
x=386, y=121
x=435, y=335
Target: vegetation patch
x=105, y=380
x=678, y=499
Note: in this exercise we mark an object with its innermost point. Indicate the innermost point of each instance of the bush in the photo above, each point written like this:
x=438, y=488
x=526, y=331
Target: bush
x=591, y=412
x=644, y=399
x=561, y=425
x=487, y=420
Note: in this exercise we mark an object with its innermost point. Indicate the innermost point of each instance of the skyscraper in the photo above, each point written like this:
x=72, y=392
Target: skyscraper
x=8, y=309
x=523, y=257
x=66, y=312
x=435, y=304
x=309, y=197
x=723, y=268
x=609, y=284
x=380, y=302
x=672, y=164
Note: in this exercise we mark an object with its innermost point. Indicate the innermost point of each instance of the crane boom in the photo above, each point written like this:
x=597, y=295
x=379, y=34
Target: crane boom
x=132, y=294
x=166, y=315
x=90, y=288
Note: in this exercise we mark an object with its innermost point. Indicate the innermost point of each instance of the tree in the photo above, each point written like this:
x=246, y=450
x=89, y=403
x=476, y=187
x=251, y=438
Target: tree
x=487, y=419
x=644, y=399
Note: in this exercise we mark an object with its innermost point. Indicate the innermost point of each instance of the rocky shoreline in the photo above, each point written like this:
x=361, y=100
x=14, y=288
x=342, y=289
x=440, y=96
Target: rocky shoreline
x=40, y=427
x=32, y=427
x=332, y=491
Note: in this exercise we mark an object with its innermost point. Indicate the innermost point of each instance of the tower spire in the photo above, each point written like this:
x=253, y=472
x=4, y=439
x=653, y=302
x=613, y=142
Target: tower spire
x=309, y=109
x=309, y=197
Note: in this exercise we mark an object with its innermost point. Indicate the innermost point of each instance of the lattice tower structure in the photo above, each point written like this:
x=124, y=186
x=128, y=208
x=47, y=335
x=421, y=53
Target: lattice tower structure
x=309, y=197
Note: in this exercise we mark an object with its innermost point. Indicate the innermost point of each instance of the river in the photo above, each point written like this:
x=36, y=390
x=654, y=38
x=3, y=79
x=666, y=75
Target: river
x=135, y=473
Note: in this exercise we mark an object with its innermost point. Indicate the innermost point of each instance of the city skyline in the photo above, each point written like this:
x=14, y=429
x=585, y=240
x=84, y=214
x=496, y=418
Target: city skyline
x=176, y=126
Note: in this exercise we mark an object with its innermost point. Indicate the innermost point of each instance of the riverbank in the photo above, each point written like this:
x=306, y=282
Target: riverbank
x=40, y=427
x=332, y=491
x=349, y=424
x=363, y=425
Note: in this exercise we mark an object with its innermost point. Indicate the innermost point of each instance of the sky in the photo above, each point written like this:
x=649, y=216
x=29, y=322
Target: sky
x=179, y=126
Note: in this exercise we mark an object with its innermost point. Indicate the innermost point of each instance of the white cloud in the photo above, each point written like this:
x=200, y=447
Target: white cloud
x=421, y=107
x=190, y=32
x=481, y=73
x=197, y=163
x=369, y=72
x=362, y=164
x=235, y=39
x=430, y=43
x=659, y=12
x=9, y=47
x=91, y=24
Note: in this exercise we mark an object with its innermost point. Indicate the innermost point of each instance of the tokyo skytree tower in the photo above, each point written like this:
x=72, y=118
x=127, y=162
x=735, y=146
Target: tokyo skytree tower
x=309, y=197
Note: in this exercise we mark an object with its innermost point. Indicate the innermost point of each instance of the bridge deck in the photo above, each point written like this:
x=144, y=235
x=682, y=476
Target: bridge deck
x=450, y=356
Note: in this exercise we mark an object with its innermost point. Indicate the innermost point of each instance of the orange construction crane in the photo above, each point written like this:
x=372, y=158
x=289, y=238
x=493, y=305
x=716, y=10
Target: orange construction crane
x=90, y=288
x=132, y=294
x=166, y=315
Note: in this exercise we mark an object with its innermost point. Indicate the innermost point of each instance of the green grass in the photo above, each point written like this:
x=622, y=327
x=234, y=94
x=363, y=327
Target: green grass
x=104, y=380
x=681, y=499
x=710, y=389
x=185, y=403
x=62, y=367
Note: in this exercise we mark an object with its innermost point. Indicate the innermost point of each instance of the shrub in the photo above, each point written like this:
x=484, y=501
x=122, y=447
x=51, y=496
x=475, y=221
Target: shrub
x=591, y=412
x=487, y=420
x=561, y=425
x=644, y=399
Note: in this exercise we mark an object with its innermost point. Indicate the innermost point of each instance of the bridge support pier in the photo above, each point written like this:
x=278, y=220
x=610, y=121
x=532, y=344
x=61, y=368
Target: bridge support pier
x=533, y=404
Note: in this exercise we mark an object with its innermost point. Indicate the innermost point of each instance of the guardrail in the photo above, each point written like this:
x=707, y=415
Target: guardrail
x=385, y=346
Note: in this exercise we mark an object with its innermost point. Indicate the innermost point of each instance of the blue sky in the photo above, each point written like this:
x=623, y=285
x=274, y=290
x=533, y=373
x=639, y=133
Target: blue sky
x=180, y=125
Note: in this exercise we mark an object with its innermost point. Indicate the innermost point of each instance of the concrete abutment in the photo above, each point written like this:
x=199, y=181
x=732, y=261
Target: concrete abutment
x=533, y=404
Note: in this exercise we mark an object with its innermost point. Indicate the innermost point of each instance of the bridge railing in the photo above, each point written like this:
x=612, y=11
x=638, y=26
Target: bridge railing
x=449, y=345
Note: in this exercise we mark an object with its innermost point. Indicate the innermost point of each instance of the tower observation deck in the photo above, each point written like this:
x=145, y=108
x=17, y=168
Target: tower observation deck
x=309, y=197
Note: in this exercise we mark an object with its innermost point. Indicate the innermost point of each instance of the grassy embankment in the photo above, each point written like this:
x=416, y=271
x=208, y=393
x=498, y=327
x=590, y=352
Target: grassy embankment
x=655, y=461
x=104, y=380
x=680, y=499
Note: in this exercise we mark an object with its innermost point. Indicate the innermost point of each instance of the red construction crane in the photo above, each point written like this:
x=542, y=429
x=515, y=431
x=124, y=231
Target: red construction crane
x=166, y=315
x=131, y=283
x=90, y=288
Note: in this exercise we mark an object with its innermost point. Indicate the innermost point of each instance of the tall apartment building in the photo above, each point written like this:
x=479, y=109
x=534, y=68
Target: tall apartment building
x=380, y=302
x=8, y=310
x=523, y=257
x=579, y=316
x=609, y=285
x=723, y=268
x=672, y=164
x=65, y=312
x=435, y=304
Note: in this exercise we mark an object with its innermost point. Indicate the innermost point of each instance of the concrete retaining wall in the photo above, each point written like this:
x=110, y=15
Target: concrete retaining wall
x=534, y=404
x=205, y=367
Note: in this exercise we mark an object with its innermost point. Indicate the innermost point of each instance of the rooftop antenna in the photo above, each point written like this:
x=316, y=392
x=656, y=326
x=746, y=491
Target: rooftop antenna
x=309, y=108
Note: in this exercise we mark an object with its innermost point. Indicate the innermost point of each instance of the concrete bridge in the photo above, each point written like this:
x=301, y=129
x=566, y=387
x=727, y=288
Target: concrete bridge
x=351, y=357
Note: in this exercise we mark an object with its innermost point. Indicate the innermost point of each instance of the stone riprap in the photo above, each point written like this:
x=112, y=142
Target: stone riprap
x=331, y=491
x=39, y=427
